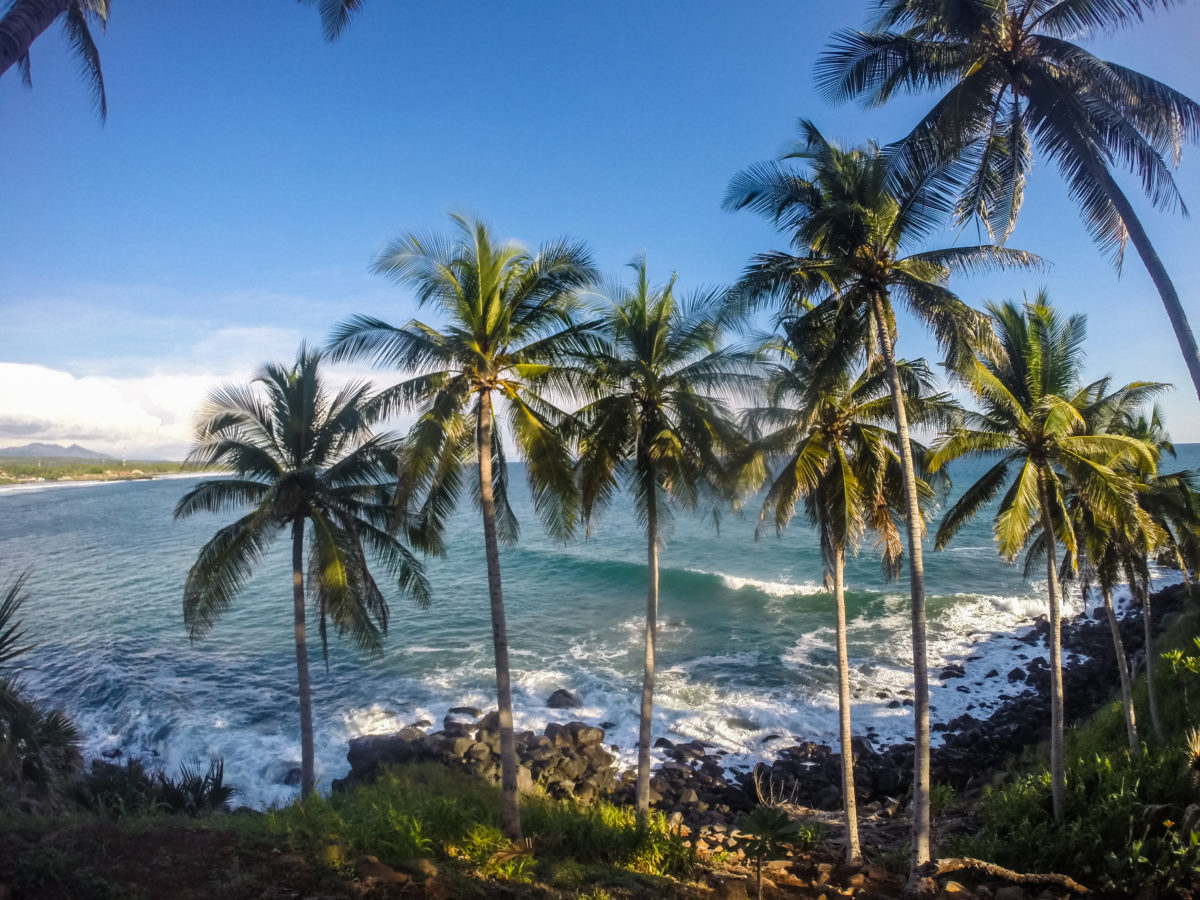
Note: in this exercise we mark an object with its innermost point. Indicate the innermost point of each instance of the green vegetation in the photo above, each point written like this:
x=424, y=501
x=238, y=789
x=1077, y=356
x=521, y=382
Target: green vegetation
x=429, y=811
x=120, y=790
x=1040, y=416
x=18, y=469
x=1129, y=818
x=39, y=748
x=766, y=833
x=858, y=225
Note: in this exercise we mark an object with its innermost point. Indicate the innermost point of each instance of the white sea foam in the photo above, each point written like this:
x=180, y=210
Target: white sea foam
x=771, y=588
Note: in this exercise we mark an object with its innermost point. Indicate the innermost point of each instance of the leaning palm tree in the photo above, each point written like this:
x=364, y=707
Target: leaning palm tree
x=509, y=338
x=1035, y=416
x=1014, y=80
x=827, y=439
x=853, y=225
x=25, y=20
x=39, y=748
x=658, y=422
x=299, y=457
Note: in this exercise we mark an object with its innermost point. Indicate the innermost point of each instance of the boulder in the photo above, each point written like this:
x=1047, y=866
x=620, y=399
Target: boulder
x=584, y=735
x=563, y=699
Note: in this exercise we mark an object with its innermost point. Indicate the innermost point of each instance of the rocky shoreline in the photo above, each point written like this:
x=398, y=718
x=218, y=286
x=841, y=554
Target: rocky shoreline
x=696, y=788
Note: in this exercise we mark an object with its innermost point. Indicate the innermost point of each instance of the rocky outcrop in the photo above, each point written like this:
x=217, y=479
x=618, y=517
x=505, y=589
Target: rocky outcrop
x=566, y=760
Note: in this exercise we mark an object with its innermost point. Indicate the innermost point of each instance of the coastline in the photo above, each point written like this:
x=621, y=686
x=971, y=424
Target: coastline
x=18, y=486
x=695, y=782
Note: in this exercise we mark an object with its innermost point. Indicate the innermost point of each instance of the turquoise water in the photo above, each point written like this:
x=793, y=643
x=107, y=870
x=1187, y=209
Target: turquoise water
x=746, y=652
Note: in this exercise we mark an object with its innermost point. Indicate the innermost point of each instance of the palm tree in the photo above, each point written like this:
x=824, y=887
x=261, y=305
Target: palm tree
x=659, y=422
x=834, y=435
x=1013, y=80
x=25, y=20
x=297, y=456
x=853, y=223
x=509, y=336
x=1109, y=554
x=39, y=748
x=1034, y=415
x=1171, y=502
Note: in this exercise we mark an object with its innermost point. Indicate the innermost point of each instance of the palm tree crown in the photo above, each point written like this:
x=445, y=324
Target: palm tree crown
x=509, y=337
x=661, y=418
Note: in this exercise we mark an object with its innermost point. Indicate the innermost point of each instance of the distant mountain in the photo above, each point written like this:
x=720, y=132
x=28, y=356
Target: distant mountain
x=53, y=451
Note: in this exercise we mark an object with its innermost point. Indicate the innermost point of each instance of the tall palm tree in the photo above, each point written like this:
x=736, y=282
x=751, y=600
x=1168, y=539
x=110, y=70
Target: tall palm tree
x=1014, y=80
x=1035, y=416
x=508, y=337
x=658, y=422
x=39, y=748
x=25, y=20
x=832, y=434
x=298, y=457
x=853, y=224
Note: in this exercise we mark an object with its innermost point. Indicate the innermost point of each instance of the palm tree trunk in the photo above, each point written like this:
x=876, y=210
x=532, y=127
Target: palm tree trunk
x=308, y=778
x=916, y=572
x=1151, y=693
x=849, y=801
x=1122, y=670
x=23, y=24
x=1154, y=265
x=510, y=816
x=642, y=795
x=1058, y=774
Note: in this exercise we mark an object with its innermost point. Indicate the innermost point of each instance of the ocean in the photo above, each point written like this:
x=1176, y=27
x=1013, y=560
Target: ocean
x=746, y=652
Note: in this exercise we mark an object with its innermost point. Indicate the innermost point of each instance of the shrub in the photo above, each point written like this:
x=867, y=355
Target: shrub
x=130, y=789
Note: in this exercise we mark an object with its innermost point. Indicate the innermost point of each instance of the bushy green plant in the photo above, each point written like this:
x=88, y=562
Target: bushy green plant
x=1120, y=829
x=127, y=789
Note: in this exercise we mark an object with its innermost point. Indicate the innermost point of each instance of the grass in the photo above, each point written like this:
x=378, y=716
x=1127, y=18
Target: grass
x=431, y=811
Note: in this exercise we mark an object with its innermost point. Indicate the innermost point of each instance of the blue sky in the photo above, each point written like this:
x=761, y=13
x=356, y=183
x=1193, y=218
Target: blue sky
x=249, y=172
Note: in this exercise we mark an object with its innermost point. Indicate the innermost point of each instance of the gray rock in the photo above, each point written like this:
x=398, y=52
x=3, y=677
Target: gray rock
x=563, y=699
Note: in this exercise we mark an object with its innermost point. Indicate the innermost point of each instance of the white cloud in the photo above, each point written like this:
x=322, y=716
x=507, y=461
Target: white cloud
x=143, y=415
